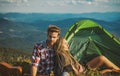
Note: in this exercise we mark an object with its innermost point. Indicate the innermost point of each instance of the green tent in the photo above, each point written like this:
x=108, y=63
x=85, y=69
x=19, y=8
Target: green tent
x=88, y=39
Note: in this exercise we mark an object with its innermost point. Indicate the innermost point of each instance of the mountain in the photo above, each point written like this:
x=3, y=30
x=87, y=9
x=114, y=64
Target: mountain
x=31, y=17
x=18, y=35
x=22, y=31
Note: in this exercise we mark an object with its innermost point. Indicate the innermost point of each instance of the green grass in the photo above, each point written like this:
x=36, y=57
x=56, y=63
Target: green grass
x=97, y=73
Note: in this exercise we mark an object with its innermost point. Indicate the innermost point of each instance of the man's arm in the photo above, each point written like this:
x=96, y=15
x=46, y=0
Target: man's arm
x=35, y=60
x=33, y=71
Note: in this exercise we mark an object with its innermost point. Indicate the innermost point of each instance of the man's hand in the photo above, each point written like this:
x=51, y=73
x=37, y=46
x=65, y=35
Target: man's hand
x=33, y=71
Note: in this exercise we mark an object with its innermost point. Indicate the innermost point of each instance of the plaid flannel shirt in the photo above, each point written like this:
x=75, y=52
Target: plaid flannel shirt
x=42, y=57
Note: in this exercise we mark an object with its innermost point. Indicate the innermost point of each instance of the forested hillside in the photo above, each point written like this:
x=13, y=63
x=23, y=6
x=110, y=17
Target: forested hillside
x=22, y=30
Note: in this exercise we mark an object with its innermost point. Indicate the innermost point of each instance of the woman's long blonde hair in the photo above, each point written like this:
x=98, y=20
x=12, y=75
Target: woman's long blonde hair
x=60, y=51
x=58, y=46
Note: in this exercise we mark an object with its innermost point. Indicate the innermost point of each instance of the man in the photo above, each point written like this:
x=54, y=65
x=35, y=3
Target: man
x=43, y=54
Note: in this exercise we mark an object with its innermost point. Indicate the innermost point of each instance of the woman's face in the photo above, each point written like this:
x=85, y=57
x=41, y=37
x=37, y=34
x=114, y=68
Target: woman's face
x=65, y=45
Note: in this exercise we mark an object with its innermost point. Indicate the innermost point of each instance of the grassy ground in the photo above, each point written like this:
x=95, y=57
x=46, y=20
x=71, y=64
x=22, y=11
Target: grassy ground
x=17, y=58
x=97, y=73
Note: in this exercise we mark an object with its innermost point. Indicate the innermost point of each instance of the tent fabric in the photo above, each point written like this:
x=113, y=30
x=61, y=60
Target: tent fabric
x=88, y=39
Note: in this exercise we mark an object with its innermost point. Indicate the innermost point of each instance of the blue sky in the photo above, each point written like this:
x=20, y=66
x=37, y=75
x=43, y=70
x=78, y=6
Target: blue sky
x=59, y=6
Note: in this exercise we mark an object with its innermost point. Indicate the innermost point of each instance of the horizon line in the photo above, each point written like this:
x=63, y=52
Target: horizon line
x=59, y=13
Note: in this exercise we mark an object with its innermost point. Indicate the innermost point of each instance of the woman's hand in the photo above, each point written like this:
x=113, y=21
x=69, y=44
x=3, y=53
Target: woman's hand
x=75, y=70
x=80, y=68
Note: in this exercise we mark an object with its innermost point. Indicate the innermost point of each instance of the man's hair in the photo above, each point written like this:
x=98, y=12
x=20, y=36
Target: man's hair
x=53, y=28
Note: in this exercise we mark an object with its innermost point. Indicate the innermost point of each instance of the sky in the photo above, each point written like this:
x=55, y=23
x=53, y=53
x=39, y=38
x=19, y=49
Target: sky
x=59, y=6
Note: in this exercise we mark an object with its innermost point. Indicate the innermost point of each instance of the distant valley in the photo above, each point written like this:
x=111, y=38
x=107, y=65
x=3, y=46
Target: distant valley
x=22, y=31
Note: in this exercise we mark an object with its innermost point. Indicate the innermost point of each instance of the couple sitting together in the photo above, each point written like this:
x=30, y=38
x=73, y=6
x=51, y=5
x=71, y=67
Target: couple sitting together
x=53, y=55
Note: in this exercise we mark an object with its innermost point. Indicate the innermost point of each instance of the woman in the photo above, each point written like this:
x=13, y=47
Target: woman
x=65, y=62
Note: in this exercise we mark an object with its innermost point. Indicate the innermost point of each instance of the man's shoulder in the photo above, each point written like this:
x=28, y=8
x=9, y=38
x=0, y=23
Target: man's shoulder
x=41, y=43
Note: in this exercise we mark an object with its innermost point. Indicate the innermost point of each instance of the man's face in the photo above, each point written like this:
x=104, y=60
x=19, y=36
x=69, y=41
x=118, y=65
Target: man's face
x=52, y=37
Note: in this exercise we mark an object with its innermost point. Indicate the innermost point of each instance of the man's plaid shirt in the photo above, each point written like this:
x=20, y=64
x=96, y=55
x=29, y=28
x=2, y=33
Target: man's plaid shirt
x=42, y=57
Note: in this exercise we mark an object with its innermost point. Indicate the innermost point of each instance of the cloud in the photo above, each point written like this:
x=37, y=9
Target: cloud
x=96, y=2
x=65, y=2
x=107, y=2
x=58, y=5
x=7, y=2
x=13, y=1
x=74, y=2
x=25, y=0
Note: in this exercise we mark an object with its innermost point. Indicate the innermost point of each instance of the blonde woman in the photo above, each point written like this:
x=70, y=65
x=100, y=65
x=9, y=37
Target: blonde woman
x=65, y=62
